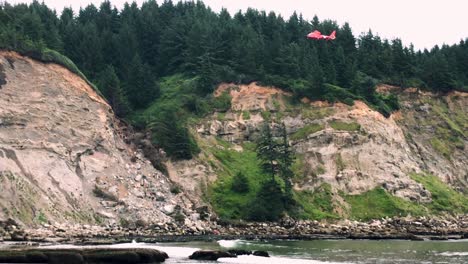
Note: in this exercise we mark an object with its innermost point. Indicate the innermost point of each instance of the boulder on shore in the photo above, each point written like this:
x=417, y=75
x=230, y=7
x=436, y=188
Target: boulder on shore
x=211, y=255
x=239, y=252
x=261, y=253
x=78, y=256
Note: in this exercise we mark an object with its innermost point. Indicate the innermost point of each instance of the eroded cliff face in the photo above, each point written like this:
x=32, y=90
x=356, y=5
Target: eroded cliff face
x=353, y=148
x=63, y=157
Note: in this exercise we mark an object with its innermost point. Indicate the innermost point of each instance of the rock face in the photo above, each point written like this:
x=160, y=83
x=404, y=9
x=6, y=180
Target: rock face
x=353, y=148
x=63, y=157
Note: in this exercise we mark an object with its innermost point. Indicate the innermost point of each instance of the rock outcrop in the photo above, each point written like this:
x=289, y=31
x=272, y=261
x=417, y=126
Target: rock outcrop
x=66, y=159
x=211, y=255
x=353, y=148
x=63, y=157
x=78, y=256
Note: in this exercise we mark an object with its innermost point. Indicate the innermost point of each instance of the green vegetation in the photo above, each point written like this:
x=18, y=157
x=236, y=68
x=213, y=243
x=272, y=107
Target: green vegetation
x=450, y=125
x=41, y=53
x=339, y=125
x=444, y=198
x=377, y=203
x=268, y=204
x=441, y=147
x=320, y=169
x=228, y=203
x=266, y=115
x=92, y=37
x=340, y=165
x=41, y=218
x=307, y=130
x=299, y=167
x=168, y=116
x=157, y=62
x=311, y=112
x=221, y=116
x=245, y=115
x=254, y=184
x=240, y=183
x=315, y=204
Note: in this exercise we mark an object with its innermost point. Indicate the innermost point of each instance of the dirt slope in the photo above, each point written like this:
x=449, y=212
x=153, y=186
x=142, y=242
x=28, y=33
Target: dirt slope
x=63, y=158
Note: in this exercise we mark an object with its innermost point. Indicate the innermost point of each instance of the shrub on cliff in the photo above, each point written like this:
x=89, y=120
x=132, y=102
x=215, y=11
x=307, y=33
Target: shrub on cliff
x=268, y=205
x=240, y=183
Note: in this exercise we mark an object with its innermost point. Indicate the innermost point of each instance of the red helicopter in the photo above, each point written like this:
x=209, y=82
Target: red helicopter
x=317, y=35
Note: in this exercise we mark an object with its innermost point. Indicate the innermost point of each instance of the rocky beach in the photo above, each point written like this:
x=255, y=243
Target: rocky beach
x=409, y=228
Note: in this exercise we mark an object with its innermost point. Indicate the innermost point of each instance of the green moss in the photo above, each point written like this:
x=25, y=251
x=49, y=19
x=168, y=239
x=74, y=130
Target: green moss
x=444, y=198
x=246, y=115
x=340, y=165
x=344, y=126
x=266, y=115
x=450, y=124
x=441, y=147
x=316, y=204
x=41, y=218
x=221, y=116
x=306, y=130
x=319, y=170
x=442, y=110
x=299, y=166
x=313, y=113
x=276, y=104
x=377, y=203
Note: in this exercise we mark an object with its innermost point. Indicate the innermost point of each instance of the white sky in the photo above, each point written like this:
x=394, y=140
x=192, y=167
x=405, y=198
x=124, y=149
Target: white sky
x=424, y=23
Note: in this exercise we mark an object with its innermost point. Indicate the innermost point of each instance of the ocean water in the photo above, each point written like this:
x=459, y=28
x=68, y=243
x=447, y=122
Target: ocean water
x=319, y=251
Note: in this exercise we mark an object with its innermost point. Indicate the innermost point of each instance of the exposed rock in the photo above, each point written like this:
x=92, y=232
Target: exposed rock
x=210, y=255
x=66, y=157
x=239, y=252
x=374, y=152
x=106, y=214
x=261, y=253
x=169, y=209
x=77, y=256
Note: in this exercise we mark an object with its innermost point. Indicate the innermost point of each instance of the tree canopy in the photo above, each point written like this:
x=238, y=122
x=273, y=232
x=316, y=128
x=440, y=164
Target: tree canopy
x=139, y=45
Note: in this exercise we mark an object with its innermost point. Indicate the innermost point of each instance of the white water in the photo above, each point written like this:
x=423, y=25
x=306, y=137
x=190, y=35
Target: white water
x=316, y=251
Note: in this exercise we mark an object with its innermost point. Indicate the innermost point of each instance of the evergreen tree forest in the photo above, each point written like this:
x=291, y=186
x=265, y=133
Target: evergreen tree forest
x=127, y=53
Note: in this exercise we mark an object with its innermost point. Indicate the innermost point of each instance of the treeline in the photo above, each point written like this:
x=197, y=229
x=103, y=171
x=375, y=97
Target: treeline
x=126, y=52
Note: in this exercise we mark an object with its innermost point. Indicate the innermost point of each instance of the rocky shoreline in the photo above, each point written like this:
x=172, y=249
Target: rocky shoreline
x=77, y=255
x=409, y=228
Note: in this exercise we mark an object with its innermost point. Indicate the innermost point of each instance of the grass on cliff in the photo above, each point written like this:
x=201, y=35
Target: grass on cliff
x=228, y=203
x=303, y=132
x=450, y=123
x=231, y=204
x=444, y=198
x=344, y=126
x=315, y=204
x=378, y=203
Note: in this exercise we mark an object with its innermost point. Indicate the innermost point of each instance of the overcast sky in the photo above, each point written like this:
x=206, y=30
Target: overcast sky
x=424, y=23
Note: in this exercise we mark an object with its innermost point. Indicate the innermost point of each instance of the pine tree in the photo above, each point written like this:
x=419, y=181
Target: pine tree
x=140, y=86
x=109, y=85
x=285, y=161
x=267, y=151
